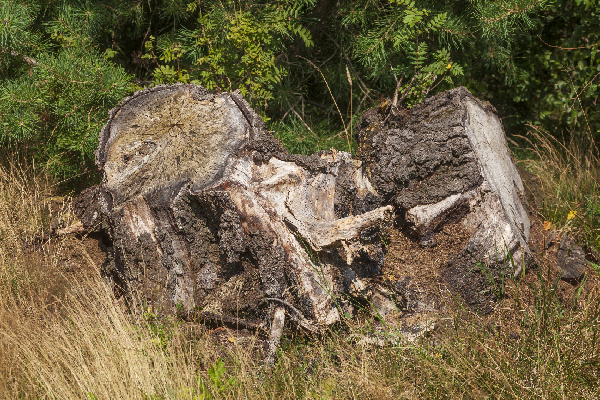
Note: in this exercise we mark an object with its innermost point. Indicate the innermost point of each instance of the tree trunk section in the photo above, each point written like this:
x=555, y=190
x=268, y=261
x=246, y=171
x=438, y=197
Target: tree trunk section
x=206, y=210
x=447, y=162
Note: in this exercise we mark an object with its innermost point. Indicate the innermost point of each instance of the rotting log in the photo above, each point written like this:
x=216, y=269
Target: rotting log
x=205, y=209
x=444, y=162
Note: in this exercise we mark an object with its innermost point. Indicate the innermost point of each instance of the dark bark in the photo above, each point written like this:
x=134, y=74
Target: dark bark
x=446, y=161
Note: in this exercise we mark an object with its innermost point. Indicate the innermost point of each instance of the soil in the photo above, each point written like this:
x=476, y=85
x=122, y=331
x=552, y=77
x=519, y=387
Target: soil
x=406, y=260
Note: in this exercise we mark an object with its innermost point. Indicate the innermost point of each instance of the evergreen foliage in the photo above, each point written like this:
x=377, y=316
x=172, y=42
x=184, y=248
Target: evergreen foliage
x=55, y=86
x=301, y=63
x=554, y=72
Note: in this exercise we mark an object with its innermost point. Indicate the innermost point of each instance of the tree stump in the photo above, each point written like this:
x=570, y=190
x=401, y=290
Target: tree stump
x=447, y=162
x=206, y=211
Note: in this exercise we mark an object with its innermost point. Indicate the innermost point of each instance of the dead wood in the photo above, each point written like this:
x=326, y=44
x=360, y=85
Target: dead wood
x=446, y=163
x=206, y=210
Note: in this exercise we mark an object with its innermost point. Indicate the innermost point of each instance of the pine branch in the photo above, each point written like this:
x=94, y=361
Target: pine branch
x=512, y=11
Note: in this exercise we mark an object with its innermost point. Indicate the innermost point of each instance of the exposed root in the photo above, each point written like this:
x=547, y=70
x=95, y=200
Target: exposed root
x=302, y=321
x=275, y=336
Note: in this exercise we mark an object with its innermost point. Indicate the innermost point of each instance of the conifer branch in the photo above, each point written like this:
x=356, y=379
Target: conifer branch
x=25, y=58
x=509, y=12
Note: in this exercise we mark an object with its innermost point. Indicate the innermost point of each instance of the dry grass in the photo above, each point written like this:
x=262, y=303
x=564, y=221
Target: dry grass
x=63, y=335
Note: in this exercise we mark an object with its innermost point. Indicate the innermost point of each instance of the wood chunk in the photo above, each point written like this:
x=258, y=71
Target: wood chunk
x=571, y=259
x=207, y=212
x=205, y=209
x=275, y=336
x=446, y=161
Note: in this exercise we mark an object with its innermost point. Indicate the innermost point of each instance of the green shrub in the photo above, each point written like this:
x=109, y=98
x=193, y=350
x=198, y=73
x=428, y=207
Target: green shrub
x=55, y=94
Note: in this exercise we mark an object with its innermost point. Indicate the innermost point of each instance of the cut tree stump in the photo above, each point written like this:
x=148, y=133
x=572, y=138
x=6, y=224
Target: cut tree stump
x=446, y=162
x=206, y=211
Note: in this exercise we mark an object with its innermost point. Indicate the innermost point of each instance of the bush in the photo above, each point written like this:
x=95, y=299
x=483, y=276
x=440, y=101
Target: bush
x=54, y=97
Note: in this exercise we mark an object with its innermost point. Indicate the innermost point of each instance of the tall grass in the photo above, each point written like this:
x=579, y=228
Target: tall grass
x=63, y=335
x=569, y=172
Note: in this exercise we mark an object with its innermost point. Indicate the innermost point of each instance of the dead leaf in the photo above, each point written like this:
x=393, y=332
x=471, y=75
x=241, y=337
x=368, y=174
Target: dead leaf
x=547, y=225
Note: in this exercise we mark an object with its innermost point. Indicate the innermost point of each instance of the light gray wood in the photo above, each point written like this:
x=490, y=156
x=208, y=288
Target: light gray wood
x=275, y=336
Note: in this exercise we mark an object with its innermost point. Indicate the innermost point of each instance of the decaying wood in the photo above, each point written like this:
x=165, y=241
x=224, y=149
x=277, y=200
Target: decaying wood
x=446, y=161
x=74, y=228
x=205, y=209
x=297, y=315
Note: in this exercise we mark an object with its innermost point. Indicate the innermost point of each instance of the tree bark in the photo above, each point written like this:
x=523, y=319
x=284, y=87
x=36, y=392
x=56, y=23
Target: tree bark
x=444, y=162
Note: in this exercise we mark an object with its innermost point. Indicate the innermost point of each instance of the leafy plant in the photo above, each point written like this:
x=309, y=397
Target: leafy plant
x=161, y=332
x=548, y=77
x=234, y=48
x=218, y=384
x=216, y=372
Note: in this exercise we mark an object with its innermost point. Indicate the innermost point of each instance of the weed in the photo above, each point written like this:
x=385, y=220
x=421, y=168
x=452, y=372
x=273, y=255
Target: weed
x=299, y=139
x=498, y=271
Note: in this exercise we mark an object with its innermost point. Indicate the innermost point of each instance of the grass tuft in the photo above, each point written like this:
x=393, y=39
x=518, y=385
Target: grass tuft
x=569, y=173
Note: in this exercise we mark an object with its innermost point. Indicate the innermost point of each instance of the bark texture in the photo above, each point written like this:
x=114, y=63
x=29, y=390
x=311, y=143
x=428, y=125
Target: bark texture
x=205, y=210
